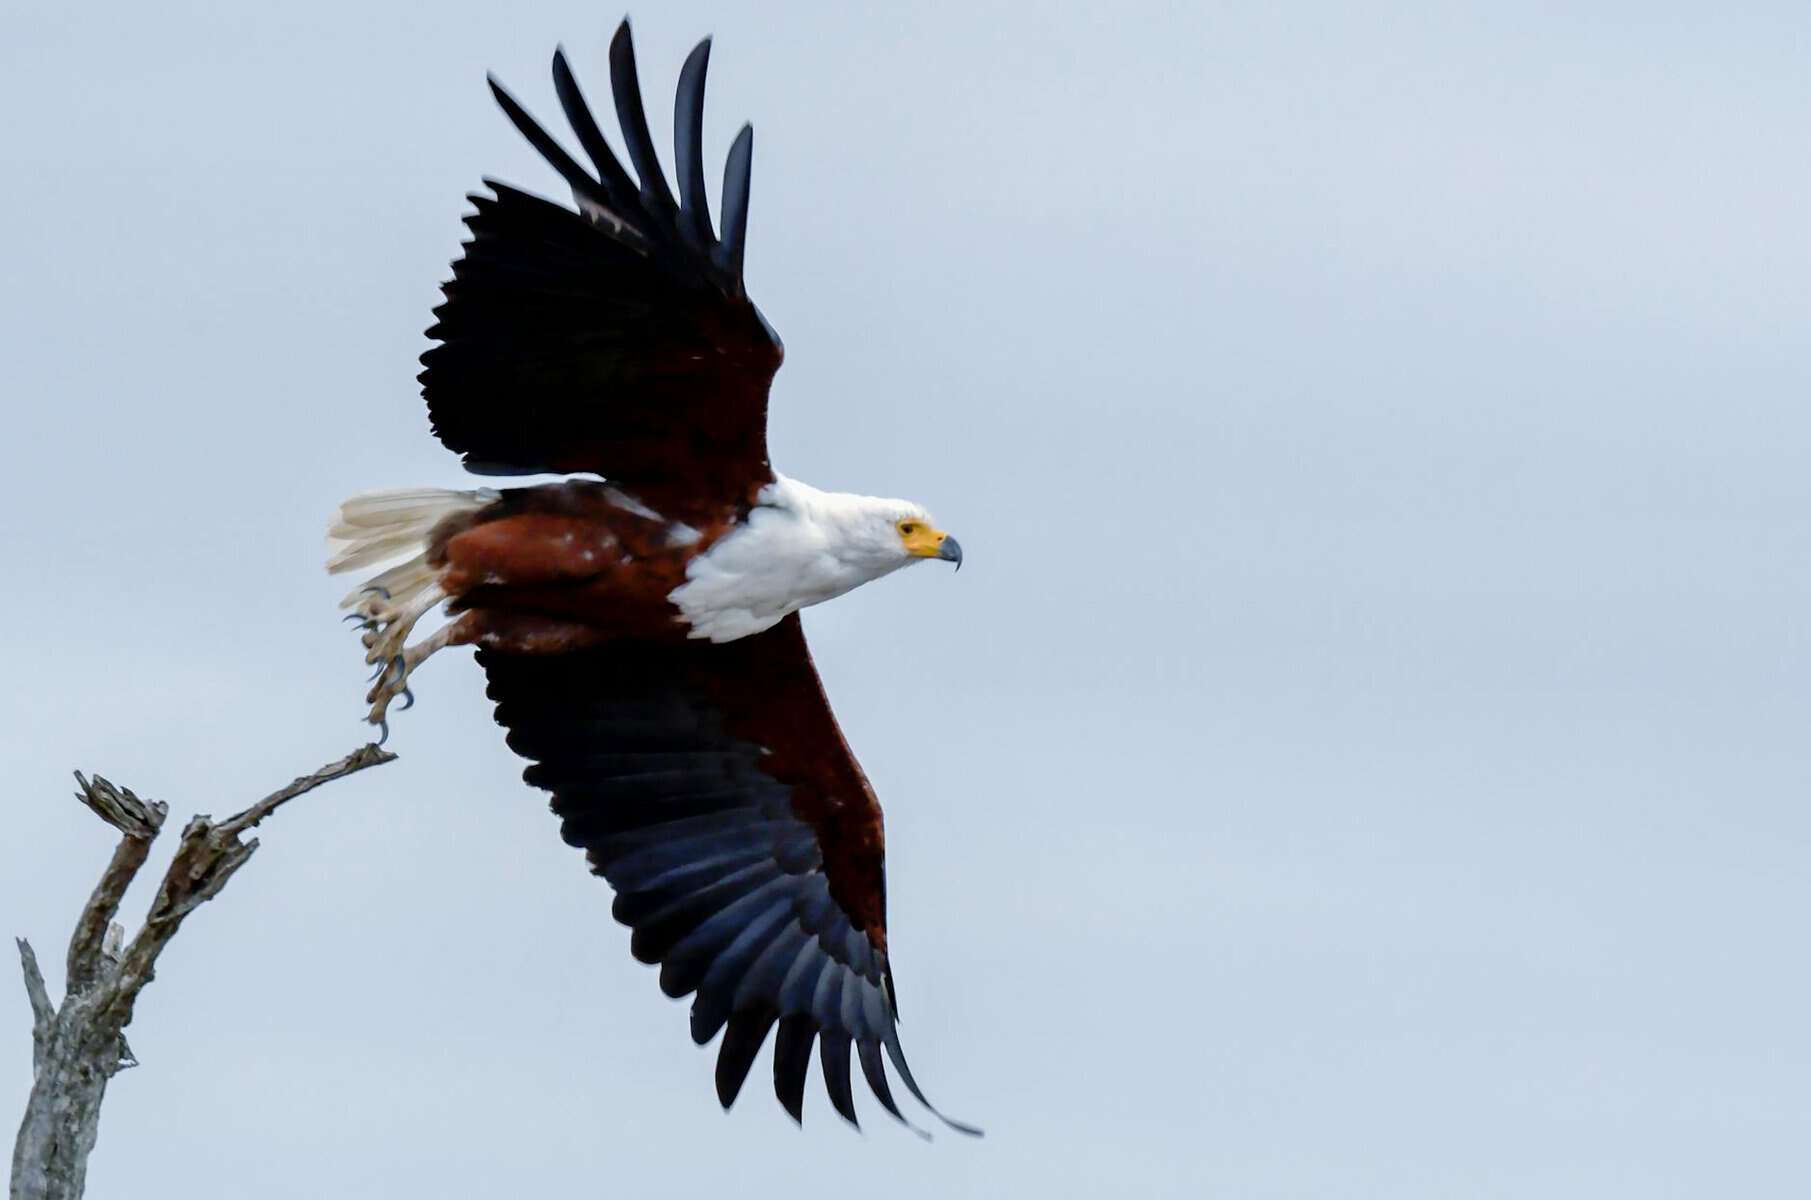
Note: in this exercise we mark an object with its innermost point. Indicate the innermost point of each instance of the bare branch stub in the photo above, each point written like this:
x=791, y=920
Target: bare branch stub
x=120, y=808
x=138, y=822
x=43, y=1012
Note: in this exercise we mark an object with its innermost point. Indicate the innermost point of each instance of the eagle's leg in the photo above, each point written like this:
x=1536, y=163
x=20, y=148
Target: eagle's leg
x=514, y=633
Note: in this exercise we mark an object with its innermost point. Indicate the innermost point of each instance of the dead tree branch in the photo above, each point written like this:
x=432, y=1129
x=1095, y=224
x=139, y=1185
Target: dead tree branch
x=78, y=1046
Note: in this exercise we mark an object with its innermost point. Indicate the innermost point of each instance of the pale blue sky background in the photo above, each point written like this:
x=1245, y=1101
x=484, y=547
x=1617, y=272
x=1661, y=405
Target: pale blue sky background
x=1365, y=754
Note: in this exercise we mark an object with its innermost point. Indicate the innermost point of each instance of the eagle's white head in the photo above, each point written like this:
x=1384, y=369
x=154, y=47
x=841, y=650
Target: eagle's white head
x=801, y=546
x=877, y=535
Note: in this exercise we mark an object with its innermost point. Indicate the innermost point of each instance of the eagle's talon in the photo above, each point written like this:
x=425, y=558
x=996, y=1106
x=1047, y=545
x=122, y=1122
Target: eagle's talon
x=387, y=624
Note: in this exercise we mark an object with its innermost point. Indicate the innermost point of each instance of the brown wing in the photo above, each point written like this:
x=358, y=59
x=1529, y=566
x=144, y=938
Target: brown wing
x=711, y=786
x=617, y=339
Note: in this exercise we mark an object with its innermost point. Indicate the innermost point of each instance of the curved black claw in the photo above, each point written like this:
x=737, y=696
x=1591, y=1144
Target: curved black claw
x=382, y=591
x=381, y=668
x=408, y=699
x=359, y=617
x=383, y=727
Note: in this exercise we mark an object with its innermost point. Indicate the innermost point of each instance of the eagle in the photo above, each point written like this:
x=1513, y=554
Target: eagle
x=637, y=621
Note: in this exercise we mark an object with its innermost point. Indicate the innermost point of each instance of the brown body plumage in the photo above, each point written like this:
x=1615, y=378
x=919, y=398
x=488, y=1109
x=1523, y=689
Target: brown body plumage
x=564, y=567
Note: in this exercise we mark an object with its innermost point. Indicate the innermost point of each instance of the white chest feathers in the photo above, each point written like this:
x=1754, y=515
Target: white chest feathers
x=798, y=547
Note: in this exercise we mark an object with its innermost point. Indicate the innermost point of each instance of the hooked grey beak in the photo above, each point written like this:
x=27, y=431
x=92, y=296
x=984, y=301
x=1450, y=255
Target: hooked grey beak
x=950, y=551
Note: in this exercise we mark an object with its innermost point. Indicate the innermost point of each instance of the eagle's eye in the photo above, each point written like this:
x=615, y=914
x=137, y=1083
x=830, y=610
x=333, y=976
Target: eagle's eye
x=920, y=538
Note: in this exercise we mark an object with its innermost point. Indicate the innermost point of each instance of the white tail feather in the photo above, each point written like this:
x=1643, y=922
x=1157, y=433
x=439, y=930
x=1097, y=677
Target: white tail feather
x=375, y=527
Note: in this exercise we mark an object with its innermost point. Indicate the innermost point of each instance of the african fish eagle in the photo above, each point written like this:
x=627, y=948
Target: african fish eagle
x=639, y=628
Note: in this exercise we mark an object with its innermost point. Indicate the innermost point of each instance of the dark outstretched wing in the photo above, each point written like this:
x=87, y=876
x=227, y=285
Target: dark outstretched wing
x=710, y=785
x=617, y=339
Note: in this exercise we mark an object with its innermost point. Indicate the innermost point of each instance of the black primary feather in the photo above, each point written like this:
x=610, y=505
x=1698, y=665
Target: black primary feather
x=741, y=1042
x=688, y=149
x=624, y=196
x=625, y=89
x=736, y=170
x=833, y=1056
x=791, y=1062
x=575, y=175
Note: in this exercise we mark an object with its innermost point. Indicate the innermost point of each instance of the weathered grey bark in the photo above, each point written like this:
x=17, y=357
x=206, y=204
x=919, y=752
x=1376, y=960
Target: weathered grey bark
x=78, y=1046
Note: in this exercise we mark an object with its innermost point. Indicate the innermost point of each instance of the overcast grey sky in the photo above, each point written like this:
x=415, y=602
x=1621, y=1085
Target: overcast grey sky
x=1364, y=755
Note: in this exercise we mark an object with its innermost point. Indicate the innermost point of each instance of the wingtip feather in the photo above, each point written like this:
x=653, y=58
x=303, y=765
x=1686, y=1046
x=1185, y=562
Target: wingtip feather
x=737, y=173
x=688, y=145
x=625, y=90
